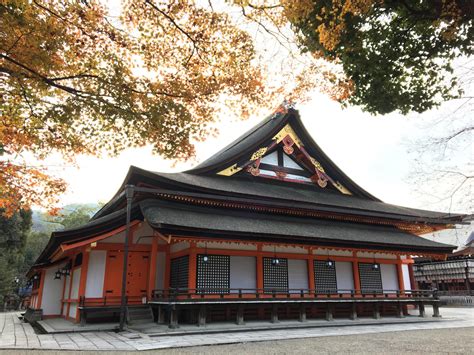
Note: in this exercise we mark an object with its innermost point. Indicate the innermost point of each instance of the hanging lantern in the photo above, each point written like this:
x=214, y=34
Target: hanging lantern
x=57, y=275
x=275, y=260
x=205, y=258
x=329, y=263
x=375, y=265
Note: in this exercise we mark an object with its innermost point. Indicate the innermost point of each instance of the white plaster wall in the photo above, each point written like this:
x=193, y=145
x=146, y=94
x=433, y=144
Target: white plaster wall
x=179, y=246
x=96, y=273
x=243, y=272
x=389, y=277
x=52, y=292
x=297, y=177
x=332, y=252
x=289, y=249
x=406, y=277
x=160, y=270
x=271, y=159
x=267, y=172
x=289, y=163
x=116, y=238
x=227, y=246
x=376, y=255
x=72, y=310
x=144, y=234
x=66, y=289
x=64, y=308
x=297, y=274
x=344, y=276
x=76, y=278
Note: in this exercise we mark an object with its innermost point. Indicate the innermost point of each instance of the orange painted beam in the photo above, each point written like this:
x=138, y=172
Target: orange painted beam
x=65, y=247
x=152, y=272
x=217, y=240
x=120, y=247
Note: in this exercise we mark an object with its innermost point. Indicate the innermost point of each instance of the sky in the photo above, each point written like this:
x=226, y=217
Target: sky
x=377, y=152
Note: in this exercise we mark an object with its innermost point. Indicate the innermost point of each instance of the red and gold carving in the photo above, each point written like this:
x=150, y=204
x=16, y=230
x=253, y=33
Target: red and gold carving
x=288, y=145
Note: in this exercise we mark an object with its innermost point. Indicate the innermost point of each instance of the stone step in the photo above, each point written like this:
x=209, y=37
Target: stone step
x=139, y=314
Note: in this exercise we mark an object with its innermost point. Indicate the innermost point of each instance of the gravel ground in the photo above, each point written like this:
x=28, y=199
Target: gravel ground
x=436, y=341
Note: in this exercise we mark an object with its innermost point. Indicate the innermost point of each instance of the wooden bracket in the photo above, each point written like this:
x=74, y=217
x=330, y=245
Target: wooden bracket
x=163, y=237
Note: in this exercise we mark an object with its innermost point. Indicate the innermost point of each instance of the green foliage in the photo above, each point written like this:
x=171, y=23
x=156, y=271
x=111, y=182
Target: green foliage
x=73, y=216
x=398, y=54
x=13, y=237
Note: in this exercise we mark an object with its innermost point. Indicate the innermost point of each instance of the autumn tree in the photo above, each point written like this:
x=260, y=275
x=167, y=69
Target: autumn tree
x=396, y=55
x=75, y=80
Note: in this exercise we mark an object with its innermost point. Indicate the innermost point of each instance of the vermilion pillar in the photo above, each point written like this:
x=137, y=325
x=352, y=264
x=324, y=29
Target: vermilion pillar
x=401, y=283
x=311, y=284
x=152, y=269
x=83, y=279
x=355, y=273
x=192, y=267
x=259, y=268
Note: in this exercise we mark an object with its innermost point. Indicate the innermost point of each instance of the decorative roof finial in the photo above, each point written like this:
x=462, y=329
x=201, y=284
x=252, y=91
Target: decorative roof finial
x=283, y=108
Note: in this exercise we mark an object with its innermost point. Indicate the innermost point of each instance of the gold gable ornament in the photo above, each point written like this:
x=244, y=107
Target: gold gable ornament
x=259, y=153
x=288, y=131
x=341, y=188
x=231, y=170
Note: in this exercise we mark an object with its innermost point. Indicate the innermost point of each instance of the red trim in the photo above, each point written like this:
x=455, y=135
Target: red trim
x=121, y=247
x=65, y=247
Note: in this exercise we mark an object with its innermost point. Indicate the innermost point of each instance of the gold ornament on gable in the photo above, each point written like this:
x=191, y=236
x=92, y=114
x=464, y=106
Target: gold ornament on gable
x=259, y=153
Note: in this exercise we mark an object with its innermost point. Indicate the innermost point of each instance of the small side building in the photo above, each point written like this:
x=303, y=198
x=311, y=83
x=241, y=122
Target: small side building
x=454, y=276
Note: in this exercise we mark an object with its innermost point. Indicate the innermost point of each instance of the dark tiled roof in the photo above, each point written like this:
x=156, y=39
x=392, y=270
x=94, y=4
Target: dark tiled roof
x=293, y=195
x=180, y=217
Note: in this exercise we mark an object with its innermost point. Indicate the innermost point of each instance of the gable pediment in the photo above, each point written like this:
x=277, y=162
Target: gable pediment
x=280, y=148
x=285, y=158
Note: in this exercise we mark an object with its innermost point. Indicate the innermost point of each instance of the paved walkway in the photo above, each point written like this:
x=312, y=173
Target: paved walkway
x=15, y=334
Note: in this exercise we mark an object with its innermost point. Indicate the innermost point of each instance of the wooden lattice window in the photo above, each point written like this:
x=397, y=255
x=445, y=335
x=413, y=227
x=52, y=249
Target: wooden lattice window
x=370, y=278
x=213, y=274
x=179, y=272
x=275, y=275
x=325, y=276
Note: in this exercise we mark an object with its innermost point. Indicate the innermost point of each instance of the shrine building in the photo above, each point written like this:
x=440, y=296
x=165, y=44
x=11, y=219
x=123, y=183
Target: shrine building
x=268, y=228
